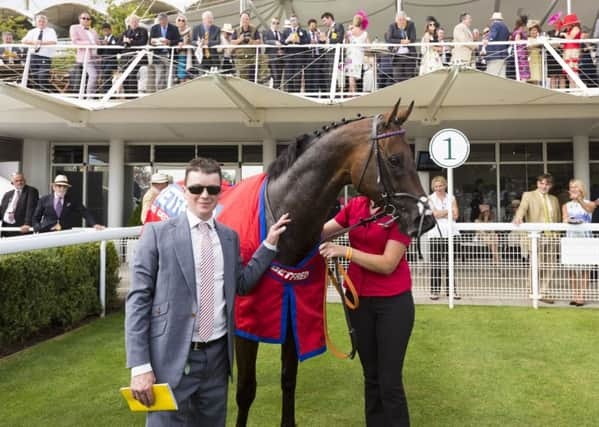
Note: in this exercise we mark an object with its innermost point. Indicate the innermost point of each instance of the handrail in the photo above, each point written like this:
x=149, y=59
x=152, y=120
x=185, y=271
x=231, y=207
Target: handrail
x=57, y=239
x=527, y=226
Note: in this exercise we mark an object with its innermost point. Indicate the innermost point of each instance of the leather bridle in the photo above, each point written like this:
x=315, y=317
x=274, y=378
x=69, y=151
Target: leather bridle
x=389, y=197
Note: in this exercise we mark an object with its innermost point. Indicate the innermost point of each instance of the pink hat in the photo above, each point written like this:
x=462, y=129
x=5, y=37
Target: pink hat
x=553, y=19
x=364, y=18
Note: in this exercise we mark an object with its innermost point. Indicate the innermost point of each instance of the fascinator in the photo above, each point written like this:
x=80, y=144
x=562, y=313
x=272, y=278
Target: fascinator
x=364, y=17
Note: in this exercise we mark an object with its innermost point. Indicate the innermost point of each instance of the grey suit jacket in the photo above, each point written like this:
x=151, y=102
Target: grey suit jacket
x=161, y=305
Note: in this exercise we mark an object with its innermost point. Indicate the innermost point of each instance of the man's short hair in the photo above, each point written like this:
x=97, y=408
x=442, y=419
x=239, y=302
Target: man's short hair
x=85, y=12
x=204, y=165
x=545, y=176
x=207, y=14
x=42, y=17
x=312, y=20
x=162, y=15
x=6, y=33
x=327, y=15
x=106, y=26
x=463, y=16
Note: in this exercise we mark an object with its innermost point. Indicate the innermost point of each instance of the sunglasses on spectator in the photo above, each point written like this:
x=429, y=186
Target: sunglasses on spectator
x=275, y=23
x=198, y=189
x=180, y=20
x=85, y=18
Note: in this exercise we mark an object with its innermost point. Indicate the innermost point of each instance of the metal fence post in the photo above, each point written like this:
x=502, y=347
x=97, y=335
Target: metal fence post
x=534, y=267
x=169, y=82
x=335, y=72
x=82, y=84
x=103, y=277
x=257, y=66
x=25, y=76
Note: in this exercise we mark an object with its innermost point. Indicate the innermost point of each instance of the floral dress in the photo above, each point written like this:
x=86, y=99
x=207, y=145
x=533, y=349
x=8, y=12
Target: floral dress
x=355, y=56
x=521, y=54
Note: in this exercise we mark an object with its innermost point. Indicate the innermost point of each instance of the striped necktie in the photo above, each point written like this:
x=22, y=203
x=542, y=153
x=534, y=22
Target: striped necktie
x=205, y=291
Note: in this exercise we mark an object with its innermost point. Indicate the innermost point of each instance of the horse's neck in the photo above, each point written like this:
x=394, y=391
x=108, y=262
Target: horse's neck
x=307, y=191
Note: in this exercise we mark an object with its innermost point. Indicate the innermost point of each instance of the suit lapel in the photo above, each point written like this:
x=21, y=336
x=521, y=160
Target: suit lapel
x=229, y=261
x=184, y=251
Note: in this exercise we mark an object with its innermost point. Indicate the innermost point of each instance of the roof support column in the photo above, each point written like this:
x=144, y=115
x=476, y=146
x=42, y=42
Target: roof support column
x=36, y=164
x=580, y=146
x=116, y=182
x=269, y=151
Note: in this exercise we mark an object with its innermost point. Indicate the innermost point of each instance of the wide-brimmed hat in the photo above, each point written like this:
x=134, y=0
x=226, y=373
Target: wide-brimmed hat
x=159, y=178
x=570, y=19
x=532, y=23
x=227, y=28
x=62, y=180
x=497, y=16
x=553, y=19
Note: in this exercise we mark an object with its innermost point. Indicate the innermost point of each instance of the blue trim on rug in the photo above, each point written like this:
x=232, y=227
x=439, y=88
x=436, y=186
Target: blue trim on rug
x=262, y=210
x=252, y=337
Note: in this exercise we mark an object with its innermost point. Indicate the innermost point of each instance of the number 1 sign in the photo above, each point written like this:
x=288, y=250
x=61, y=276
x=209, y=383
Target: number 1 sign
x=449, y=148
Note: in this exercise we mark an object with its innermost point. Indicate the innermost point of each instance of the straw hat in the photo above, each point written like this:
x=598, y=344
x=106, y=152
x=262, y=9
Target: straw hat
x=62, y=180
x=159, y=178
x=497, y=16
x=227, y=28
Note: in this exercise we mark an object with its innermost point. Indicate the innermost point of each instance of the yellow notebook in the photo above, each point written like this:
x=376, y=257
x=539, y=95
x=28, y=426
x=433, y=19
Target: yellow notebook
x=164, y=399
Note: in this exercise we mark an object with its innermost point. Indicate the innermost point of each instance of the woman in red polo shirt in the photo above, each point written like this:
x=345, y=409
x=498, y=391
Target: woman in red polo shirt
x=385, y=316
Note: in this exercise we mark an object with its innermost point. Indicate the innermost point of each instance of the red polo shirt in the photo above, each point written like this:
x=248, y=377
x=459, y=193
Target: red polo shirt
x=372, y=238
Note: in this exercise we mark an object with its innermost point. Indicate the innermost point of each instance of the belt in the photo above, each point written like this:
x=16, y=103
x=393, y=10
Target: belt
x=197, y=345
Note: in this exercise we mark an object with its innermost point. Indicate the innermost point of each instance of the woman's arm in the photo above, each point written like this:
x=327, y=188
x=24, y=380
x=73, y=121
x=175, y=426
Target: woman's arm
x=330, y=227
x=386, y=263
x=455, y=210
x=587, y=206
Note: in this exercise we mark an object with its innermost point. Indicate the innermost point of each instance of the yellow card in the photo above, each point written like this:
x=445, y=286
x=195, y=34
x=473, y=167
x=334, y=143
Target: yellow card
x=164, y=399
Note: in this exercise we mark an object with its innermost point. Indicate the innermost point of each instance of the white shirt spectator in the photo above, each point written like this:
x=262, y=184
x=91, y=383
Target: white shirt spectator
x=49, y=35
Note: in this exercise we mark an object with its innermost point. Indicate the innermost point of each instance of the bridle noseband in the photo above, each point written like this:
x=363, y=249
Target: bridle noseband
x=389, y=198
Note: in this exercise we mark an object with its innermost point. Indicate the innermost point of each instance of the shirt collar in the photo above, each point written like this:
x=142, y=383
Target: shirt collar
x=194, y=220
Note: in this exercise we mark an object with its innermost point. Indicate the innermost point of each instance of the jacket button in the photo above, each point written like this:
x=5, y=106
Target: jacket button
x=193, y=315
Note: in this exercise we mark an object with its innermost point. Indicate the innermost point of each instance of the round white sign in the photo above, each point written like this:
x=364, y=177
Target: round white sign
x=449, y=148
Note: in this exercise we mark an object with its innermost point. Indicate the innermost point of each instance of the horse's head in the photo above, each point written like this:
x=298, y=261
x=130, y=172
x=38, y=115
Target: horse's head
x=385, y=172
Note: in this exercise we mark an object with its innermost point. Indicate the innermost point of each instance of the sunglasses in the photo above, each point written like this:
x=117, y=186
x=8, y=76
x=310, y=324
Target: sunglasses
x=198, y=189
x=180, y=20
x=85, y=18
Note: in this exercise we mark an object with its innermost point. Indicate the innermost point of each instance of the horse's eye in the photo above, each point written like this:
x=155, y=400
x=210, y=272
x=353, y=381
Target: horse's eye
x=395, y=160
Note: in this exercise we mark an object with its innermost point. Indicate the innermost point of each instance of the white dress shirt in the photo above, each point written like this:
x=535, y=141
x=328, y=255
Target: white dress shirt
x=48, y=35
x=9, y=215
x=442, y=205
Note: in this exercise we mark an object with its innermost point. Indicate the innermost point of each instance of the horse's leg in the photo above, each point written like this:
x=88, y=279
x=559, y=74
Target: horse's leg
x=289, y=364
x=246, y=352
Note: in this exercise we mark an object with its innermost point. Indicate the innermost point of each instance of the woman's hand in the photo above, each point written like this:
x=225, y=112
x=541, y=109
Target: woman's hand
x=331, y=250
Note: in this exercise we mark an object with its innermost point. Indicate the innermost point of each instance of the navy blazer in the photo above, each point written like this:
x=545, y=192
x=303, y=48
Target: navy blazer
x=304, y=39
x=498, y=32
x=396, y=35
x=199, y=33
x=268, y=37
x=111, y=40
x=25, y=206
x=172, y=35
x=44, y=217
x=337, y=35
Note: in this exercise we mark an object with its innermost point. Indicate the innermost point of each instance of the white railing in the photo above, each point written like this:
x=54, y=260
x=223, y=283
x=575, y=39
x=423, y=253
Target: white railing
x=57, y=239
x=494, y=263
x=320, y=71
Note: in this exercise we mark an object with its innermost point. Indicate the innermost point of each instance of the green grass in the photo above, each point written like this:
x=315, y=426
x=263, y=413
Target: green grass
x=473, y=366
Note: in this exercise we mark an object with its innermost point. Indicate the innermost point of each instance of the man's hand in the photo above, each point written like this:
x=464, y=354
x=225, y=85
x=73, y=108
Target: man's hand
x=25, y=229
x=517, y=221
x=277, y=229
x=99, y=227
x=141, y=388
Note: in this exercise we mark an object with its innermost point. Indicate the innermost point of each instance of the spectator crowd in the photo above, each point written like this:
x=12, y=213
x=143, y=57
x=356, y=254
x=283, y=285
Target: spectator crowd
x=301, y=59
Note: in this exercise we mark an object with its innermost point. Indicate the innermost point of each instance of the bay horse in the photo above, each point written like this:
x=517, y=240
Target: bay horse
x=372, y=154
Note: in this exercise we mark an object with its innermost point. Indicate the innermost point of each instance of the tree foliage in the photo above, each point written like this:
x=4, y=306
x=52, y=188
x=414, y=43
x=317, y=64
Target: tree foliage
x=116, y=14
x=17, y=25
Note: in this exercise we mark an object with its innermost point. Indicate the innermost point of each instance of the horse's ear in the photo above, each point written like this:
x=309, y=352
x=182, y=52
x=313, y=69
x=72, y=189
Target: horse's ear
x=391, y=117
x=403, y=116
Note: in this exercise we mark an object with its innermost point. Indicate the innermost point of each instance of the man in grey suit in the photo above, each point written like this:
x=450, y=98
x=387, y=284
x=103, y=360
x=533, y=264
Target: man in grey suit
x=179, y=313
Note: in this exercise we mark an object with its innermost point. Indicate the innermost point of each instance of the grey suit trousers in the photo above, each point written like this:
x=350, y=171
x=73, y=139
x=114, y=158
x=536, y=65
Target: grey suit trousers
x=202, y=393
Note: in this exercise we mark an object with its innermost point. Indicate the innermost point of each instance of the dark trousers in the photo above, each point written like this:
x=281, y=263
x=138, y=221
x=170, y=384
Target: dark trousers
x=404, y=67
x=109, y=67
x=277, y=65
x=208, y=63
x=439, y=259
x=202, y=393
x=384, y=326
x=315, y=74
x=39, y=72
x=293, y=72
